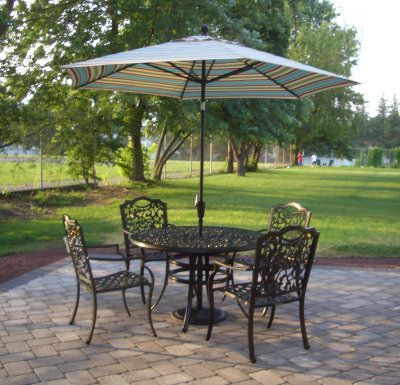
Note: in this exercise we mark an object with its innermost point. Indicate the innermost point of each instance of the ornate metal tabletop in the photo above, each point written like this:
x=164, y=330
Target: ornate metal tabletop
x=185, y=239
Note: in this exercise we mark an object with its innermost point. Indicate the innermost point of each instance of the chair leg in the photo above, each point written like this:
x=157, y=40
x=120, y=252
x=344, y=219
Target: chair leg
x=303, y=325
x=271, y=317
x=230, y=277
x=126, y=305
x=210, y=295
x=167, y=266
x=142, y=274
x=78, y=292
x=149, y=307
x=93, y=318
x=250, y=335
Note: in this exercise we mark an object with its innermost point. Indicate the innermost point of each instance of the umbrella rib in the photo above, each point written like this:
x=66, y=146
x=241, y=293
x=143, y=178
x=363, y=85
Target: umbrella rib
x=104, y=76
x=187, y=81
x=235, y=72
x=169, y=72
x=189, y=74
x=209, y=69
x=276, y=82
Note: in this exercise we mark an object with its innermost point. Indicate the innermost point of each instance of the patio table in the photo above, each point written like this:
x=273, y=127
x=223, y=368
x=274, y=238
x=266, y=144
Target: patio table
x=185, y=240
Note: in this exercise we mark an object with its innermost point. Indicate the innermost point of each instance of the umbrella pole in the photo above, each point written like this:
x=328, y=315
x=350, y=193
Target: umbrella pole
x=201, y=205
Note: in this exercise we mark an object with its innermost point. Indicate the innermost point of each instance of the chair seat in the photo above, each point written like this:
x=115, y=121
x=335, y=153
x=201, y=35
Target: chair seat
x=119, y=281
x=242, y=292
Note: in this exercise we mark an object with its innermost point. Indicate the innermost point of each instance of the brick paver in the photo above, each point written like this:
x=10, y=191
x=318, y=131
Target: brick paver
x=353, y=322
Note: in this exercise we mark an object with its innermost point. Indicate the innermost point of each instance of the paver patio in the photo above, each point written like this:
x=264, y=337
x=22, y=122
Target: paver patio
x=353, y=322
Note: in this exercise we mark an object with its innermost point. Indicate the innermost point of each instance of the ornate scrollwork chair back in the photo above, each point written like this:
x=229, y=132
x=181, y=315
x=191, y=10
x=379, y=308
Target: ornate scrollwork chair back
x=77, y=249
x=283, y=263
x=140, y=214
x=291, y=214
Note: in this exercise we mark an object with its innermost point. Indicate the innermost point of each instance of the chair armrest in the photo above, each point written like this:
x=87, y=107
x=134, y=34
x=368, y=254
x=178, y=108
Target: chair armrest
x=232, y=267
x=126, y=231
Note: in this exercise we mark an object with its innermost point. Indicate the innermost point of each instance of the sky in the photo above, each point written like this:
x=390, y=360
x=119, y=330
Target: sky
x=377, y=23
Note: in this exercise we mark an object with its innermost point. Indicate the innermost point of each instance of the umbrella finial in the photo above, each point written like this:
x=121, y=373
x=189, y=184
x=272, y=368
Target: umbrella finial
x=204, y=30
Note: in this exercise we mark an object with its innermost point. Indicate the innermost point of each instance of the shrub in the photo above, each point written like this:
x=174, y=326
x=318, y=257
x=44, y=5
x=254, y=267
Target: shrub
x=375, y=157
x=396, y=156
x=251, y=165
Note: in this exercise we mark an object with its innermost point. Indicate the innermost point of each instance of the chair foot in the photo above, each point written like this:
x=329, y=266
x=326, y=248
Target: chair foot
x=271, y=317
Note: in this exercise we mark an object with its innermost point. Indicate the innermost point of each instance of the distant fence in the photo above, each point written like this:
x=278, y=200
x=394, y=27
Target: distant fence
x=30, y=170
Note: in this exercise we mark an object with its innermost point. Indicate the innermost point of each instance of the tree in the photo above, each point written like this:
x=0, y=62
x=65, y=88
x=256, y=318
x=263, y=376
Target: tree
x=45, y=35
x=88, y=140
x=335, y=49
x=391, y=135
x=172, y=122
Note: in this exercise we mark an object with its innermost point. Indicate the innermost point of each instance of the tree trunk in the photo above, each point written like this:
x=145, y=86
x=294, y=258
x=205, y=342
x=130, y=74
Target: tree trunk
x=95, y=183
x=253, y=158
x=136, y=142
x=241, y=165
x=241, y=154
x=174, y=144
x=229, y=159
x=6, y=19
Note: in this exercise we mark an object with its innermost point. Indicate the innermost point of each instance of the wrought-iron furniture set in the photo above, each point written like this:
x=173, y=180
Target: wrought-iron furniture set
x=284, y=254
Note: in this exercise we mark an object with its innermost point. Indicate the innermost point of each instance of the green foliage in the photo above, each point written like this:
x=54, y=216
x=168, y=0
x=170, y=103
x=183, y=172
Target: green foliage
x=330, y=123
x=361, y=160
x=375, y=157
x=396, y=156
x=124, y=159
x=251, y=164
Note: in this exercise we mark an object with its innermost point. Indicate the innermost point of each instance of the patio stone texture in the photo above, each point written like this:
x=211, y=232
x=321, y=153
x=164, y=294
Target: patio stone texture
x=352, y=318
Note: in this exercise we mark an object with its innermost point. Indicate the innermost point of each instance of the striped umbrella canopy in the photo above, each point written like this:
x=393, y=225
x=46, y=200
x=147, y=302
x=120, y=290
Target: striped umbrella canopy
x=200, y=67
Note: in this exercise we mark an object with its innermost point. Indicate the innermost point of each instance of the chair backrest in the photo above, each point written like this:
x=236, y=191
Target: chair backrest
x=291, y=214
x=283, y=261
x=77, y=249
x=142, y=213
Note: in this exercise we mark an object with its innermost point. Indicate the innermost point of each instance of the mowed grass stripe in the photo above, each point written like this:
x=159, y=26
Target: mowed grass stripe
x=356, y=210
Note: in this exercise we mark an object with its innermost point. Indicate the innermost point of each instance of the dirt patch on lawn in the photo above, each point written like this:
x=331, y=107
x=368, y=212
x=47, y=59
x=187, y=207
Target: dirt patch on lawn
x=18, y=264
x=39, y=204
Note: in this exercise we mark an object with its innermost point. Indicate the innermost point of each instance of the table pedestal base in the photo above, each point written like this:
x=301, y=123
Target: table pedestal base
x=199, y=317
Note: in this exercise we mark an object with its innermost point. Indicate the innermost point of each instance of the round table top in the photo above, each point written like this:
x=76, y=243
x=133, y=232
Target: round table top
x=185, y=239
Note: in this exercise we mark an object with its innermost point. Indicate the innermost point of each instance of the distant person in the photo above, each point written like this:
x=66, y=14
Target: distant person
x=300, y=159
x=314, y=159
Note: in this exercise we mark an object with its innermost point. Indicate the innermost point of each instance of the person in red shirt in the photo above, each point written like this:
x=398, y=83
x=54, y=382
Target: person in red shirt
x=300, y=159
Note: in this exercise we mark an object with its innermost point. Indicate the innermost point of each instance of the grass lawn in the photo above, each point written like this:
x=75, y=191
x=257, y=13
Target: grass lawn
x=357, y=211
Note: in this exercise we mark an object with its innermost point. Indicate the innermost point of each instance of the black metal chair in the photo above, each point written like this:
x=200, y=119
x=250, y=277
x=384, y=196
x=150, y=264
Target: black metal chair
x=140, y=214
x=119, y=281
x=282, y=266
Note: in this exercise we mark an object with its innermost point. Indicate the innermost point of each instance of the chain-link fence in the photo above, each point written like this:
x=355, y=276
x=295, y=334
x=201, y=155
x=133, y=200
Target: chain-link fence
x=29, y=169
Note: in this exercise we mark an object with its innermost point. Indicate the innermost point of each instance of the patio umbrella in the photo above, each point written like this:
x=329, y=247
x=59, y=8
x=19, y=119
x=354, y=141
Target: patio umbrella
x=202, y=67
